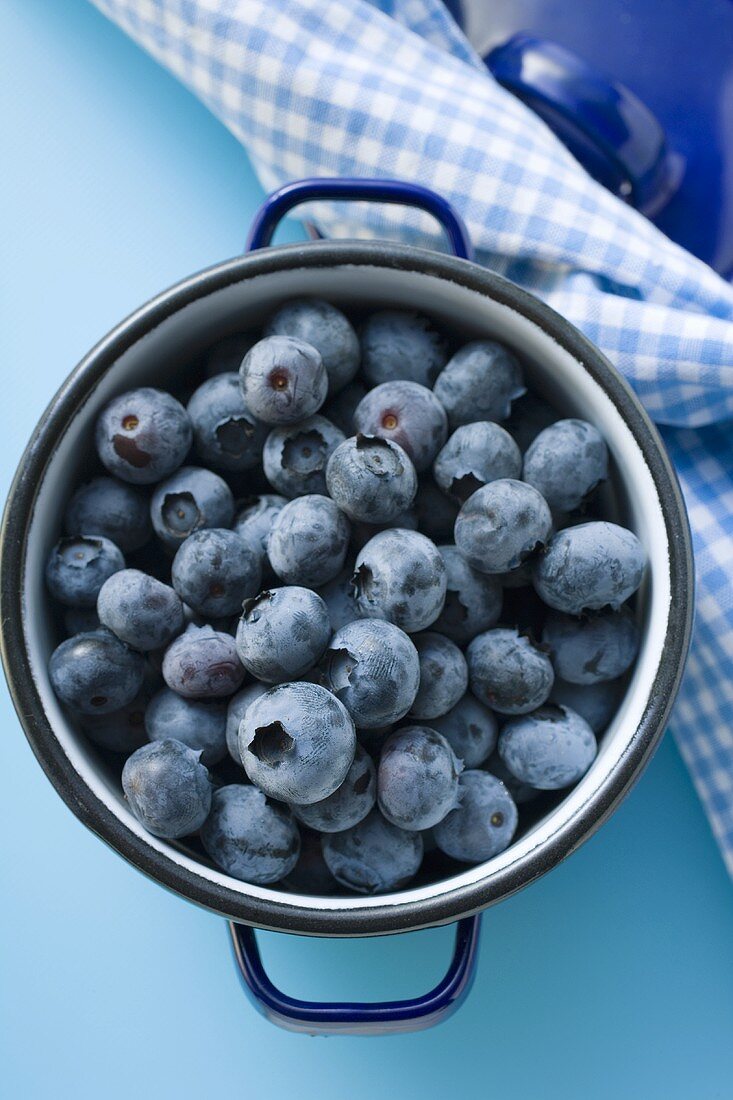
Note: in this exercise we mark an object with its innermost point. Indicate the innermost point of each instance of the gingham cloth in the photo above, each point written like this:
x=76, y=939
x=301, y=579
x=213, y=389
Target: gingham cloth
x=392, y=88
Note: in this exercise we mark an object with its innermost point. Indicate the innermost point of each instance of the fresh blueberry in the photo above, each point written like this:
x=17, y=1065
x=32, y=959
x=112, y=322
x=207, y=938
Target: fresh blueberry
x=597, y=703
x=479, y=383
x=80, y=620
x=310, y=874
x=374, y=669
x=143, y=436
x=282, y=633
x=140, y=610
x=215, y=570
x=373, y=856
x=530, y=415
x=443, y=676
x=296, y=455
x=225, y=432
x=589, y=567
x=400, y=576
x=522, y=793
x=189, y=501
x=78, y=566
x=397, y=344
x=297, y=742
x=235, y=713
x=436, y=513
x=203, y=664
x=283, y=380
x=470, y=729
x=108, y=507
x=501, y=525
x=566, y=462
x=123, y=730
x=168, y=788
x=587, y=651
x=484, y=822
x=340, y=600
x=549, y=749
x=308, y=541
x=254, y=521
x=407, y=414
x=361, y=533
x=472, y=600
x=249, y=837
x=226, y=355
x=475, y=455
x=201, y=726
x=324, y=327
x=371, y=479
x=341, y=408
x=417, y=780
x=508, y=673
x=96, y=673
x=349, y=804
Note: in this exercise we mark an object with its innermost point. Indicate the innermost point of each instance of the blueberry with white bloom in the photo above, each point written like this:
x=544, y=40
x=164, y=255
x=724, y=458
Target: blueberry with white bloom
x=566, y=462
x=588, y=651
x=327, y=329
x=296, y=455
x=475, y=455
x=249, y=837
x=349, y=804
x=341, y=408
x=371, y=479
x=443, y=675
x=484, y=822
x=472, y=600
x=501, y=525
x=123, y=730
x=111, y=508
x=215, y=570
x=189, y=501
x=310, y=875
x=297, y=742
x=143, y=436
x=282, y=633
x=283, y=380
x=200, y=725
x=254, y=521
x=479, y=383
x=400, y=576
x=78, y=566
x=308, y=541
x=470, y=729
x=398, y=344
x=597, y=703
x=373, y=856
x=589, y=567
x=408, y=414
x=96, y=673
x=340, y=599
x=226, y=434
x=417, y=779
x=203, y=664
x=235, y=713
x=140, y=610
x=551, y=748
x=436, y=513
x=508, y=673
x=373, y=668
x=168, y=788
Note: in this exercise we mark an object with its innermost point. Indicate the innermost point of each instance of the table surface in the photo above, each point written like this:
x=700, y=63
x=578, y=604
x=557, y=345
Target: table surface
x=611, y=976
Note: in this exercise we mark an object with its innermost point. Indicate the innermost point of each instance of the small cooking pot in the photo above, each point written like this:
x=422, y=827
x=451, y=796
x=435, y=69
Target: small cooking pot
x=150, y=348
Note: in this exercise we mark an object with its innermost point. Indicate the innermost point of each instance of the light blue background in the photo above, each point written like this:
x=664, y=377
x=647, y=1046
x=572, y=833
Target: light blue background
x=611, y=977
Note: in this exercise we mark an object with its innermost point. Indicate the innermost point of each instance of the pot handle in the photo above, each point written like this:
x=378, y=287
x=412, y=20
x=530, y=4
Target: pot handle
x=396, y=192
x=357, y=1017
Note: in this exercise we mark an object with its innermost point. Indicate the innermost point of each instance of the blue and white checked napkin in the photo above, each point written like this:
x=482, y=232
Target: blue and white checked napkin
x=392, y=88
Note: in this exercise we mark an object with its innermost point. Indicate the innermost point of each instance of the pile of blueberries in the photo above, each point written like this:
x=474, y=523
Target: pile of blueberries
x=349, y=606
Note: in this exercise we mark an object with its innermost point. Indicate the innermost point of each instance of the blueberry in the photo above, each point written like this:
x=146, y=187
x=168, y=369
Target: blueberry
x=310, y=874
x=226, y=355
x=349, y=804
x=168, y=788
x=143, y=436
x=530, y=415
x=436, y=513
x=254, y=521
x=123, y=730
x=308, y=541
x=341, y=408
x=373, y=856
x=400, y=576
x=203, y=664
x=297, y=742
x=597, y=703
x=296, y=455
x=235, y=713
x=340, y=600
x=501, y=525
x=475, y=455
x=249, y=837
x=225, y=432
x=215, y=570
x=201, y=726
x=509, y=673
x=80, y=620
x=283, y=380
x=77, y=567
x=190, y=500
x=417, y=780
x=362, y=532
x=374, y=669
x=140, y=610
x=470, y=729
x=407, y=414
x=479, y=383
x=549, y=749
x=587, y=651
x=324, y=327
x=566, y=462
x=522, y=793
x=371, y=479
x=108, y=507
x=472, y=600
x=443, y=676
x=96, y=673
x=590, y=567
x=282, y=633
x=397, y=344
x=483, y=824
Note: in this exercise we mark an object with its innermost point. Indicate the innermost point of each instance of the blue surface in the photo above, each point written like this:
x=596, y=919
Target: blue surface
x=613, y=976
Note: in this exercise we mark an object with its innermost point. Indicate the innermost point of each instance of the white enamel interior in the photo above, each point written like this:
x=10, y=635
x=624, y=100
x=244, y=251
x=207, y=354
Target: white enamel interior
x=157, y=358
